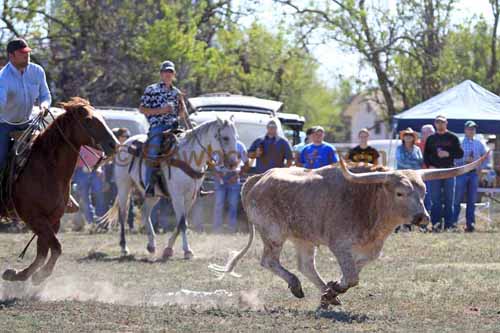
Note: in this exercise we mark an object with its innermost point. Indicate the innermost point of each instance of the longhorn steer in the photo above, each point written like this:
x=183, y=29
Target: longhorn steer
x=352, y=214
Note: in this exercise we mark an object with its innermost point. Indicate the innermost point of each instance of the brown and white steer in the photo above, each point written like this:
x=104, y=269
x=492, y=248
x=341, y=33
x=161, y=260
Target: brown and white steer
x=350, y=213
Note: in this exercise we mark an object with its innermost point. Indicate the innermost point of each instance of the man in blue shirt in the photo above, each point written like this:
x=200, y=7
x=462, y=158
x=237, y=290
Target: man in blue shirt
x=318, y=153
x=161, y=105
x=22, y=85
x=271, y=151
x=469, y=182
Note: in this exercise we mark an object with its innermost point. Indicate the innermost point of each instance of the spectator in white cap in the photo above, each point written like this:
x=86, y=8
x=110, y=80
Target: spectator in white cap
x=468, y=183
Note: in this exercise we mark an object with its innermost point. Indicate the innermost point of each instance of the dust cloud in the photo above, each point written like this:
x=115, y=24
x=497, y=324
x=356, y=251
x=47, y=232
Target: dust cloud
x=72, y=288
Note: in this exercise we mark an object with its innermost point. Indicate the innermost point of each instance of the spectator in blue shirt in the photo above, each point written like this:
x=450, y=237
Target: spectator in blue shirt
x=468, y=183
x=271, y=151
x=228, y=187
x=297, y=149
x=318, y=153
x=408, y=154
x=22, y=85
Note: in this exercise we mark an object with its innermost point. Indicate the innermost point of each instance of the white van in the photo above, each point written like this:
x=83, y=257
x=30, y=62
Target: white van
x=250, y=114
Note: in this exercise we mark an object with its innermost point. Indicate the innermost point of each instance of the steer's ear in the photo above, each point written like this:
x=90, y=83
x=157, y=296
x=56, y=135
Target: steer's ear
x=431, y=174
x=364, y=178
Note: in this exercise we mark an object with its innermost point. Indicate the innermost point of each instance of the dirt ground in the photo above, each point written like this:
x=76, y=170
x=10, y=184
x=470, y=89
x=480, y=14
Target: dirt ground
x=446, y=282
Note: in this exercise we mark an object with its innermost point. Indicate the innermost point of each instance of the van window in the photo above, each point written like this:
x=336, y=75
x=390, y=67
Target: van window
x=248, y=133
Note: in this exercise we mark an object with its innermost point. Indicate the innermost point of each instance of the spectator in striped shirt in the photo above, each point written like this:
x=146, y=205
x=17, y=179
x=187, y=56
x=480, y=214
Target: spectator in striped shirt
x=469, y=182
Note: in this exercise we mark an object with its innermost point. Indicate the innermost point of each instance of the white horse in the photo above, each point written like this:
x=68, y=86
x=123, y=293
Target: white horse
x=194, y=147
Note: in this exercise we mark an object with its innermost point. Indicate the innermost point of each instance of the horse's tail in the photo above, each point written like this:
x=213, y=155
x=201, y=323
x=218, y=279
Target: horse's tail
x=231, y=264
x=107, y=221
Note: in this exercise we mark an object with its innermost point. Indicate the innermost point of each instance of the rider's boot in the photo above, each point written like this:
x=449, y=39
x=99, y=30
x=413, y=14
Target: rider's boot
x=71, y=206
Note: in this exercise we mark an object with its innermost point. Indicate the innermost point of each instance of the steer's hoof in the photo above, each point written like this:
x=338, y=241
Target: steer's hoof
x=167, y=253
x=9, y=274
x=328, y=299
x=296, y=290
x=330, y=295
x=188, y=255
x=151, y=249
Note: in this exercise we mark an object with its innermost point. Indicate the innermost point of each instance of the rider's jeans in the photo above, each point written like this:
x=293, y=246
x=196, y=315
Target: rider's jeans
x=5, y=141
x=155, y=139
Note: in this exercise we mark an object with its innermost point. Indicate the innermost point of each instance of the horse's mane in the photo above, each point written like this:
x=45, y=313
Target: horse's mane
x=200, y=130
x=51, y=137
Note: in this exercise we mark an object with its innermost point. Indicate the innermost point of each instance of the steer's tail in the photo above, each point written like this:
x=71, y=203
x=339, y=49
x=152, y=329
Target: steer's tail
x=231, y=264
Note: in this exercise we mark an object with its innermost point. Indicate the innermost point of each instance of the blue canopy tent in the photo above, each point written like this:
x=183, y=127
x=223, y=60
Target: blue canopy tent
x=466, y=101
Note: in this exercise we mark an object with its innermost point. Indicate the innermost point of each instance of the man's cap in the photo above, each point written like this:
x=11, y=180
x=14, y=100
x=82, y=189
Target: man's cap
x=441, y=118
x=272, y=123
x=18, y=44
x=167, y=66
x=317, y=129
x=470, y=123
x=364, y=130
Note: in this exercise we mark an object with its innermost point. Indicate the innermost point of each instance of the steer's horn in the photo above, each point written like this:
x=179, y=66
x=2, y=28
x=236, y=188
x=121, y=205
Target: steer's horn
x=431, y=174
x=364, y=178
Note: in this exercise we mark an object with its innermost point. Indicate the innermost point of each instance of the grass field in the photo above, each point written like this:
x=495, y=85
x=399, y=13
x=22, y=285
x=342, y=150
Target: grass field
x=445, y=282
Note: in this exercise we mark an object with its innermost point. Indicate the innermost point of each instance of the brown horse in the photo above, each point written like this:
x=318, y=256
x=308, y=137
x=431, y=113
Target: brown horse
x=41, y=191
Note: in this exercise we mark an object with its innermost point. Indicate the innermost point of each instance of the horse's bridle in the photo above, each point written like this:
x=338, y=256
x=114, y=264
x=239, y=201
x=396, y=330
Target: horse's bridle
x=206, y=150
x=72, y=146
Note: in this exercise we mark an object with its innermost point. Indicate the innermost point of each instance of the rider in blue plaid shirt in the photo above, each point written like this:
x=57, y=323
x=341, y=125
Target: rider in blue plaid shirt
x=160, y=103
x=469, y=182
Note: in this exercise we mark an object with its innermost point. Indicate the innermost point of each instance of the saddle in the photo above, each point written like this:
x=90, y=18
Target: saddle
x=138, y=149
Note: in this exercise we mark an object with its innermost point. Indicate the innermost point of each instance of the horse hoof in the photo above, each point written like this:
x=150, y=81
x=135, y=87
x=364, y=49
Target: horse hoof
x=167, y=253
x=9, y=275
x=296, y=290
x=188, y=255
x=151, y=249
